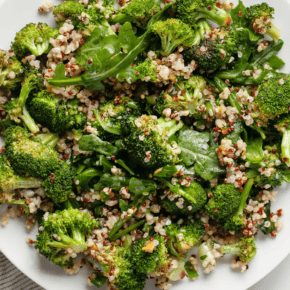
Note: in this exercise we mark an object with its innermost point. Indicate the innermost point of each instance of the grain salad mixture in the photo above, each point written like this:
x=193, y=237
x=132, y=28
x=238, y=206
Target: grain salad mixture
x=138, y=130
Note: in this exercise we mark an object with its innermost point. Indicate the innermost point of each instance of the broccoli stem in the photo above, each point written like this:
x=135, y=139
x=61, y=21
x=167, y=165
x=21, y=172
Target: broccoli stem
x=24, y=94
x=177, y=190
x=76, y=81
x=172, y=250
x=28, y=121
x=120, y=223
x=167, y=46
x=128, y=230
x=217, y=15
x=77, y=243
x=49, y=139
x=285, y=147
x=274, y=32
x=245, y=195
x=231, y=249
x=27, y=182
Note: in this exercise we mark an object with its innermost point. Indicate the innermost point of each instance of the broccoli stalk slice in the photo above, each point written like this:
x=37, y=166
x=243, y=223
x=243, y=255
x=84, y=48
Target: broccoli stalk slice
x=274, y=32
x=28, y=121
x=177, y=190
x=49, y=139
x=285, y=147
x=120, y=223
x=245, y=249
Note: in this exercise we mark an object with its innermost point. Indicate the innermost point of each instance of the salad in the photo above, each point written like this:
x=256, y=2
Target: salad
x=139, y=130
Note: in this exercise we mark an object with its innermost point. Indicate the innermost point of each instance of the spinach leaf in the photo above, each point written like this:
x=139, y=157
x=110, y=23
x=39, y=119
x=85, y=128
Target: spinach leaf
x=94, y=143
x=166, y=171
x=238, y=15
x=110, y=54
x=86, y=176
x=197, y=150
x=115, y=182
x=142, y=186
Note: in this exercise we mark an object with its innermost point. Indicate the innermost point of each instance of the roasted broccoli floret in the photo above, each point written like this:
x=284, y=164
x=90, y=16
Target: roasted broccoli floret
x=33, y=39
x=173, y=32
x=11, y=71
x=150, y=255
x=64, y=235
x=183, y=200
x=137, y=11
x=236, y=221
x=224, y=201
x=59, y=184
x=273, y=98
x=261, y=17
x=245, y=249
x=145, y=141
x=56, y=115
x=27, y=156
x=68, y=10
x=183, y=238
x=117, y=261
x=190, y=11
x=84, y=19
x=110, y=114
x=185, y=95
x=216, y=50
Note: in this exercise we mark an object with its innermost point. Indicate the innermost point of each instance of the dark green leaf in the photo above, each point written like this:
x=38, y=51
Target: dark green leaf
x=123, y=205
x=123, y=164
x=190, y=270
x=166, y=171
x=203, y=257
x=115, y=182
x=86, y=176
x=94, y=143
x=196, y=150
x=238, y=15
x=141, y=186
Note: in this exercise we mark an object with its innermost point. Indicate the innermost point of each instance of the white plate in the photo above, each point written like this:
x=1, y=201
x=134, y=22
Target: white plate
x=13, y=16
